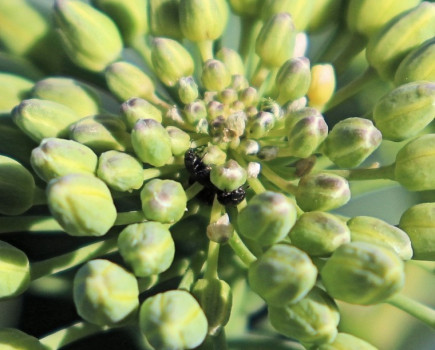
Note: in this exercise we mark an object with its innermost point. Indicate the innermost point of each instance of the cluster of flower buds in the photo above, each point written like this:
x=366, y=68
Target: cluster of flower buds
x=186, y=173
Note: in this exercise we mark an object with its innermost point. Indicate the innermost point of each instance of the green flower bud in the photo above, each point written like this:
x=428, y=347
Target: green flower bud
x=215, y=76
x=418, y=222
x=400, y=36
x=14, y=339
x=345, y=341
x=249, y=96
x=14, y=271
x=214, y=155
x=120, y=171
x=101, y=133
x=58, y=157
x=300, y=10
x=363, y=273
x=322, y=192
x=221, y=230
x=314, y=319
x=187, y=90
x=131, y=16
x=194, y=112
x=215, y=298
x=13, y=89
x=163, y=200
x=324, y=12
x=16, y=187
x=228, y=176
x=89, y=37
x=173, y=320
x=78, y=96
x=239, y=82
x=215, y=109
x=147, y=247
x=282, y=275
x=293, y=79
x=415, y=164
x=151, y=142
x=39, y=119
x=351, y=141
x=417, y=65
x=267, y=218
x=180, y=140
x=246, y=8
x=171, y=61
x=203, y=20
x=165, y=18
x=372, y=230
x=322, y=85
x=81, y=204
x=276, y=40
x=232, y=61
x=104, y=293
x=260, y=125
x=125, y=80
x=136, y=108
x=228, y=96
x=405, y=111
x=318, y=233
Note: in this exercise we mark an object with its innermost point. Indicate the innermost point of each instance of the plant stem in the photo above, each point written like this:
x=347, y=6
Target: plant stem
x=152, y=173
x=241, y=249
x=260, y=75
x=356, y=44
x=249, y=32
x=381, y=173
x=29, y=223
x=193, y=190
x=142, y=47
x=129, y=217
x=205, y=49
x=213, y=247
x=278, y=181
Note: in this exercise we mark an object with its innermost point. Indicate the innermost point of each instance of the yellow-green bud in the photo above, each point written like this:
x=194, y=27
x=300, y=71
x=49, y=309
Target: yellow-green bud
x=180, y=140
x=165, y=18
x=58, y=157
x=137, y=108
x=282, y=275
x=203, y=20
x=314, y=319
x=120, y=171
x=324, y=12
x=345, y=341
x=372, y=230
x=13, y=89
x=187, y=90
x=89, y=37
x=16, y=187
x=171, y=61
x=214, y=155
x=232, y=61
x=300, y=10
x=104, y=293
x=195, y=112
x=215, y=76
x=389, y=46
x=249, y=96
x=228, y=176
x=151, y=142
x=39, y=119
x=318, y=233
x=14, y=271
x=276, y=40
x=101, y=132
x=405, y=111
x=228, y=96
x=293, y=79
x=260, y=125
x=78, y=96
x=147, y=247
x=363, y=273
x=246, y=8
x=14, y=339
x=81, y=204
x=173, y=320
x=221, y=230
x=415, y=164
x=322, y=85
x=419, y=222
x=351, y=141
x=163, y=200
x=239, y=82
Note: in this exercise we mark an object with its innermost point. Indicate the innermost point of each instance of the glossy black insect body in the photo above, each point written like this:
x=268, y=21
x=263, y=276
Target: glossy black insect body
x=198, y=171
x=232, y=197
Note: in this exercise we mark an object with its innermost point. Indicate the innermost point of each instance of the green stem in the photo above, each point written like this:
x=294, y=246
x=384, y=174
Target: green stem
x=142, y=47
x=249, y=33
x=152, y=173
x=193, y=190
x=278, y=181
x=205, y=49
x=381, y=173
x=332, y=47
x=29, y=223
x=129, y=217
x=241, y=249
x=260, y=75
x=193, y=271
x=213, y=247
x=355, y=46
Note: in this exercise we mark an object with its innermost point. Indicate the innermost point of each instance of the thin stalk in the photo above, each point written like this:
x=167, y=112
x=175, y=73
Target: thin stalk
x=241, y=249
x=129, y=217
x=192, y=272
x=249, y=33
x=213, y=247
x=260, y=75
x=33, y=224
x=333, y=46
x=278, y=181
x=152, y=173
x=205, y=49
x=143, y=48
x=355, y=46
x=193, y=190
x=381, y=173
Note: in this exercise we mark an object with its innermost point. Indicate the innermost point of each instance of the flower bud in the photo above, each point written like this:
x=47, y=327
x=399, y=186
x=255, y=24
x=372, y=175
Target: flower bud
x=13, y=88
x=249, y=96
x=322, y=192
x=228, y=96
x=260, y=125
x=376, y=231
x=151, y=142
x=363, y=273
x=221, y=230
x=126, y=80
x=351, y=141
x=246, y=8
x=16, y=187
x=180, y=140
x=171, y=61
x=282, y=275
x=213, y=155
x=78, y=96
x=215, y=298
x=405, y=111
x=14, y=339
x=276, y=40
x=81, y=204
x=58, y=157
x=215, y=76
x=163, y=320
x=345, y=341
x=231, y=60
x=203, y=20
x=314, y=319
x=104, y=293
x=239, y=82
x=163, y=200
x=400, y=36
x=418, y=222
x=147, y=247
x=165, y=18
x=101, y=132
x=120, y=171
x=318, y=233
x=267, y=218
x=187, y=89
x=14, y=271
x=39, y=119
x=322, y=84
x=415, y=164
x=417, y=65
x=89, y=37
x=228, y=176
x=293, y=79
x=137, y=108
x=194, y=112
x=300, y=10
